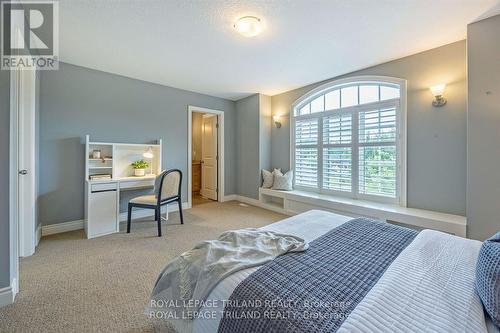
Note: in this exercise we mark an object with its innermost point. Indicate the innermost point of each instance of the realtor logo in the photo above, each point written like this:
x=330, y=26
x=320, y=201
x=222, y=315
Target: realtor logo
x=30, y=35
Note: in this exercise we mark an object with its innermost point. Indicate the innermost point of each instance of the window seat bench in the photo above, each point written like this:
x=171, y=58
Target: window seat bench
x=295, y=202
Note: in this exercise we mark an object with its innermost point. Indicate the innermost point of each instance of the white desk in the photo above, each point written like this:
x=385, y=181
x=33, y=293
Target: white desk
x=102, y=197
x=102, y=206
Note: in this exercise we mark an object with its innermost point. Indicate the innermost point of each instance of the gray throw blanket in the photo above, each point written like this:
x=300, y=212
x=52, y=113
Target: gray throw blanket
x=187, y=281
x=315, y=291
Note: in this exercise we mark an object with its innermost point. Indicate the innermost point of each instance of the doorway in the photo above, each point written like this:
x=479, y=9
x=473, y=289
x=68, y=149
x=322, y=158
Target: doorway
x=205, y=155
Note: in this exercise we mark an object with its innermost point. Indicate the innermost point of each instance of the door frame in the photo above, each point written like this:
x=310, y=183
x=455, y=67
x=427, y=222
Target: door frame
x=220, y=149
x=13, y=182
x=22, y=232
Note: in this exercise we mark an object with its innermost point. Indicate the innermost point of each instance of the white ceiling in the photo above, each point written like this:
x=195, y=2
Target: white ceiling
x=191, y=44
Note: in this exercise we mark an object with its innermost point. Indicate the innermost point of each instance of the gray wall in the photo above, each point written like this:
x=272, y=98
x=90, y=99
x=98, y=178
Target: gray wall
x=436, y=146
x=483, y=191
x=4, y=177
x=247, y=156
x=75, y=101
x=254, y=123
x=265, y=128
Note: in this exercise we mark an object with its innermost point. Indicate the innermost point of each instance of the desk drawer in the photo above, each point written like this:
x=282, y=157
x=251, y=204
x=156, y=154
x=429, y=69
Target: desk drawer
x=124, y=185
x=103, y=187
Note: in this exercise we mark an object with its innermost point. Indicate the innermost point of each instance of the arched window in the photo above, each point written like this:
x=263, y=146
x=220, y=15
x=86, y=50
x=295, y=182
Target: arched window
x=348, y=139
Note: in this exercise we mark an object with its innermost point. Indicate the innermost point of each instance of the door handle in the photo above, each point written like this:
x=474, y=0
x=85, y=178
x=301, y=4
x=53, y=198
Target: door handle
x=23, y=172
x=202, y=162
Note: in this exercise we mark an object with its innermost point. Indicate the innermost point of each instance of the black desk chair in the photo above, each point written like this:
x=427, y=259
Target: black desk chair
x=167, y=190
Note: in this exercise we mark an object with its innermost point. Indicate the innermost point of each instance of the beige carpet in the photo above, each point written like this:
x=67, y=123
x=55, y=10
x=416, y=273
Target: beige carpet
x=72, y=284
x=199, y=200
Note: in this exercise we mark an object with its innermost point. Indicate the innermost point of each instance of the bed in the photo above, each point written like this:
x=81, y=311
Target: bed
x=427, y=284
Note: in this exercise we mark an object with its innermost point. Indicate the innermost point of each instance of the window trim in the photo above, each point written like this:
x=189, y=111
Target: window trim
x=401, y=141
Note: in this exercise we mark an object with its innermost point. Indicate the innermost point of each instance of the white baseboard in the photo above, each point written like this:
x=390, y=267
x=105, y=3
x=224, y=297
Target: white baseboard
x=139, y=213
x=247, y=200
x=230, y=197
x=6, y=296
x=38, y=234
x=62, y=227
x=14, y=286
x=142, y=213
x=79, y=224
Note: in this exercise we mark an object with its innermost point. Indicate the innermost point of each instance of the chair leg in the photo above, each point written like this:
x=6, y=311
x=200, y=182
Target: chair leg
x=129, y=218
x=180, y=210
x=158, y=220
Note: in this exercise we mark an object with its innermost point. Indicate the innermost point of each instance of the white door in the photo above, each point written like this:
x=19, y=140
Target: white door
x=26, y=159
x=209, y=157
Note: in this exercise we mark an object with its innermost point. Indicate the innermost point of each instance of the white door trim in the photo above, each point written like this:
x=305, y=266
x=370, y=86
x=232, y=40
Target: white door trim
x=22, y=232
x=13, y=178
x=26, y=157
x=220, y=146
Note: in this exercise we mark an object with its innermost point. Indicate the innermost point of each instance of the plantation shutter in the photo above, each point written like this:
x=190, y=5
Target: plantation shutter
x=337, y=152
x=346, y=141
x=377, y=152
x=306, y=152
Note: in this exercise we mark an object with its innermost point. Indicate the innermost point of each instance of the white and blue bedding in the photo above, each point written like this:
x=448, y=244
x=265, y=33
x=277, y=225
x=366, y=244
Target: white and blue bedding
x=189, y=278
x=428, y=288
x=428, y=285
x=325, y=283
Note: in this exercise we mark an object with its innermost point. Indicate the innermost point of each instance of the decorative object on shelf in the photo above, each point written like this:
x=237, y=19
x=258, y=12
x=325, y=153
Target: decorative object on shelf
x=96, y=154
x=149, y=154
x=277, y=121
x=100, y=177
x=140, y=168
x=437, y=92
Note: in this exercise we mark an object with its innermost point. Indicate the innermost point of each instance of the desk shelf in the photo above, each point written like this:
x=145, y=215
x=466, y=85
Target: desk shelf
x=117, y=157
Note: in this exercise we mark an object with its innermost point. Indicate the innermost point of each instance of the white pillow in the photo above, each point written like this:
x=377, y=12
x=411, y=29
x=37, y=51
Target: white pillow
x=283, y=182
x=268, y=177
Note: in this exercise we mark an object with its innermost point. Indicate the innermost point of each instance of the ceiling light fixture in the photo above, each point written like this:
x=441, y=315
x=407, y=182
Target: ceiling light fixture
x=248, y=26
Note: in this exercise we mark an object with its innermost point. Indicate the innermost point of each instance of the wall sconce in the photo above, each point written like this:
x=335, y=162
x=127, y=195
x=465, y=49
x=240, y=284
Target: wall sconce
x=277, y=121
x=437, y=92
